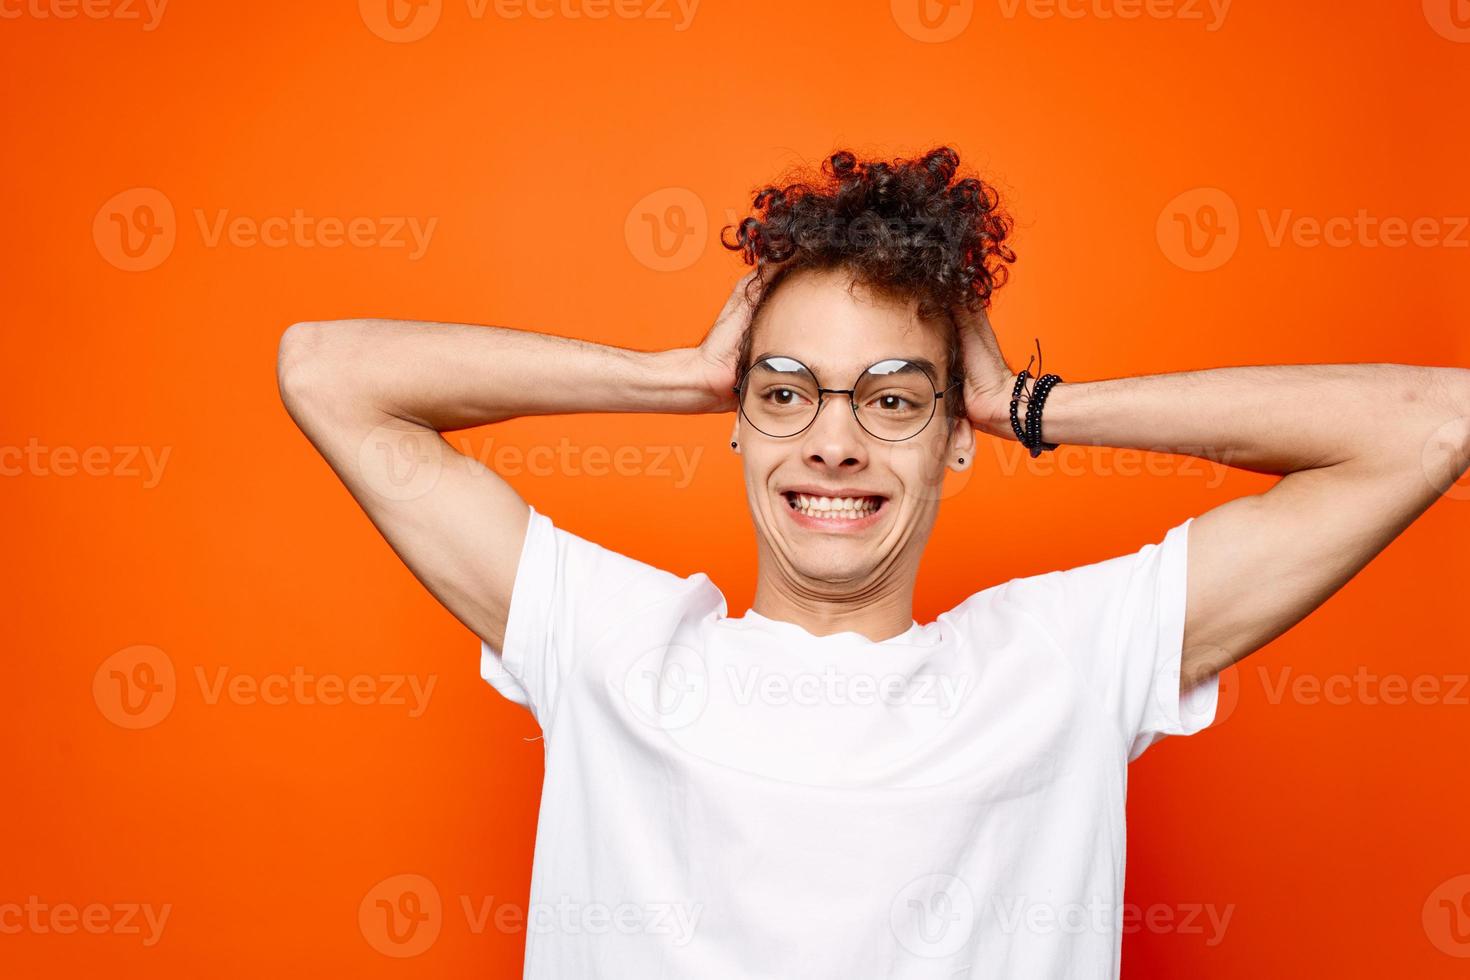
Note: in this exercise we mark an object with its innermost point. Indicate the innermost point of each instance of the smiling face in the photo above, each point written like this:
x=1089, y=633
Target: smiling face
x=839, y=511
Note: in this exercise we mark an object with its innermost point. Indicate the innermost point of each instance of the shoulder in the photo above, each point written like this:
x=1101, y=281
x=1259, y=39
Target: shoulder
x=573, y=601
x=1074, y=602
x=548, y=534
x=607, y=585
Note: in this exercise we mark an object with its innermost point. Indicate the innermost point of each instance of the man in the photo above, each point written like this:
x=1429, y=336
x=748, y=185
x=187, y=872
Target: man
x=824, y=787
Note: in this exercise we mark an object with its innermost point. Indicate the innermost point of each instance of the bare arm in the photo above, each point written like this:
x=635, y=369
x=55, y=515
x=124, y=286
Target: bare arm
x=373, y=397
x=1362, y=449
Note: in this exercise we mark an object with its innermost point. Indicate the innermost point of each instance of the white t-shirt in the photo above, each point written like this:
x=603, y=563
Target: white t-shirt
x=731, y=798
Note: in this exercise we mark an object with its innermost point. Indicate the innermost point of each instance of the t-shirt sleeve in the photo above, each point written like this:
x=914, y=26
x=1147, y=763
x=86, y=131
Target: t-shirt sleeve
x=569, y=595
x=1121, y=622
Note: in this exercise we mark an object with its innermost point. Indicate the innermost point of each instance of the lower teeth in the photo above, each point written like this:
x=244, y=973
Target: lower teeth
x=840, y=515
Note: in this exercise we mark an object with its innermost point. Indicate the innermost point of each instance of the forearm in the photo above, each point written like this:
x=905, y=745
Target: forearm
x=452, y=376
x=1270, y=419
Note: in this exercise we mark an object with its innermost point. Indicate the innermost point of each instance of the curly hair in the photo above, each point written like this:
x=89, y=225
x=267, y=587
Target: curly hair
x=900, y=228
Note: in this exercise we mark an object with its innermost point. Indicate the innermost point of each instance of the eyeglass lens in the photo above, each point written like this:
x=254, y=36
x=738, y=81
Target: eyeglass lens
x=894, y=398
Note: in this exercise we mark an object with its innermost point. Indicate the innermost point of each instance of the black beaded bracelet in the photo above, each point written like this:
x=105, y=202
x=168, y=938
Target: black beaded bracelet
x=1029, y=435
x=1034, y=404
x=1015, y=398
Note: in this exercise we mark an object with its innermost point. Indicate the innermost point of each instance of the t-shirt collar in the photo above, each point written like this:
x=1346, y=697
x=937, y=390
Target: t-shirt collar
x=909, y=637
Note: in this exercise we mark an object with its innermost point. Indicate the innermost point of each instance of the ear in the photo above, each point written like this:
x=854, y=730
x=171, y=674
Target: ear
x=735, y=436
x=961, y=445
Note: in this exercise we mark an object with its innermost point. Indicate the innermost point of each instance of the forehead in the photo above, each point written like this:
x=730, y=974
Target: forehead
x=814, y=317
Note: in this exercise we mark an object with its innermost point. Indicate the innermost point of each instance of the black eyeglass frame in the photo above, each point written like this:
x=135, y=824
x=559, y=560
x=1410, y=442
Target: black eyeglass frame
x=851, y=394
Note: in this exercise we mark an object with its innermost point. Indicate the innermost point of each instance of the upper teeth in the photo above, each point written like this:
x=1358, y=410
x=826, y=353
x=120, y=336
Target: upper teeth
x=835, y=506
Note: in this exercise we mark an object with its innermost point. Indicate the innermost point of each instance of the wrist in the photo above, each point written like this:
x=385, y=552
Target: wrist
x=693, y=385
x=989, y=409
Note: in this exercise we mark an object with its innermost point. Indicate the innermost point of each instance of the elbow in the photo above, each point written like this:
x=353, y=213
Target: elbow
x=309, y=363
x=297, y=358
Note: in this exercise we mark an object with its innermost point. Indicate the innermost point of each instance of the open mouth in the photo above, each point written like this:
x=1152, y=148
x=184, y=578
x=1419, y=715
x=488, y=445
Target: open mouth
x=833, y=508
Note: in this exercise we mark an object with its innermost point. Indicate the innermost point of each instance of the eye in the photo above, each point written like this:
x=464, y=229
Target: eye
x=781, y=396
x=887, y=402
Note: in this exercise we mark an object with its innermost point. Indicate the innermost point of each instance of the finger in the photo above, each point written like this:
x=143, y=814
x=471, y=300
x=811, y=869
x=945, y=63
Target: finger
x=741, y=304
x=744, y=284
x=737, y=297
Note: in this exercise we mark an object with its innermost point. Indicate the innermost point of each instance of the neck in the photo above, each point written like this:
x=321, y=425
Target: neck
x=878, y=617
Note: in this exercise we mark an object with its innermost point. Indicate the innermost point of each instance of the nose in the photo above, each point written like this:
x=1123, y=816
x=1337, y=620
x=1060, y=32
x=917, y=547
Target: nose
x=834, y=441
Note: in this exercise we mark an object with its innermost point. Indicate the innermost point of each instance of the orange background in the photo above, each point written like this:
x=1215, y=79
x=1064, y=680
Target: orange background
x=579, y=170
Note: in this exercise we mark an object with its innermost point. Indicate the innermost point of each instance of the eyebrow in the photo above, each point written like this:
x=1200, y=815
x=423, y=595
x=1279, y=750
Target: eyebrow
x=922, y=362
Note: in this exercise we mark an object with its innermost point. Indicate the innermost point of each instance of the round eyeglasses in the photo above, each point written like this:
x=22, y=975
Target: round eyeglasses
x=892, y=400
